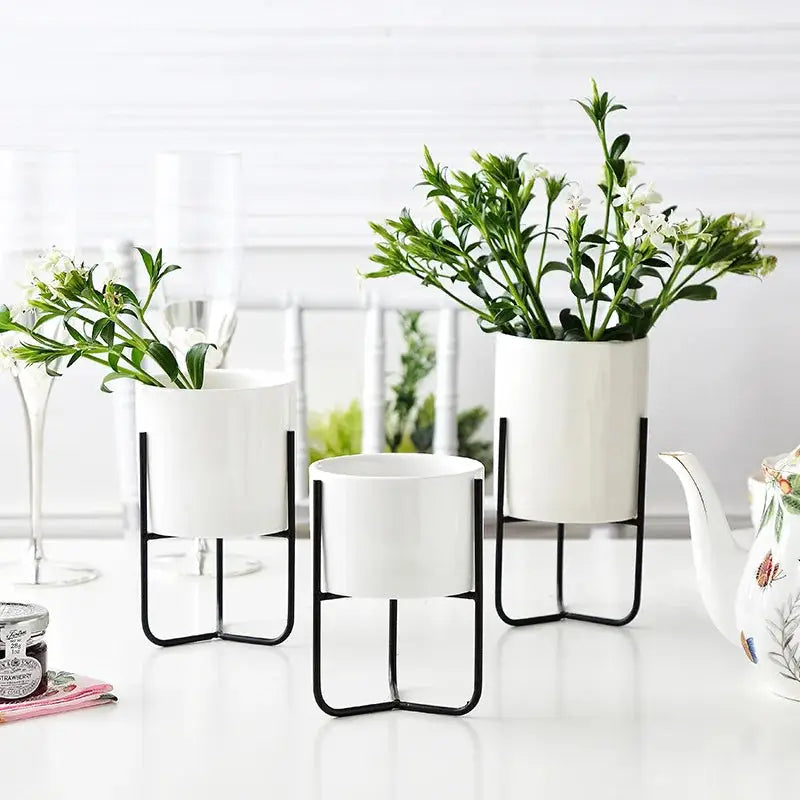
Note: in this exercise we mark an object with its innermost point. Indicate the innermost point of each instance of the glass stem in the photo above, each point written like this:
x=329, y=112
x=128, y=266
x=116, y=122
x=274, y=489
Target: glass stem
x=34, y=387
x=202, y=554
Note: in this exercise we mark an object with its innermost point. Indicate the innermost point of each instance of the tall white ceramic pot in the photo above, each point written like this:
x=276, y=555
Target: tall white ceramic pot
x=573, y=411
x=397, y=525
x=217, y=455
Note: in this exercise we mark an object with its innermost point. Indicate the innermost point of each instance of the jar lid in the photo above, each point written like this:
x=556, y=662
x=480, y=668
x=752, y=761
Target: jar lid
x=34, y=618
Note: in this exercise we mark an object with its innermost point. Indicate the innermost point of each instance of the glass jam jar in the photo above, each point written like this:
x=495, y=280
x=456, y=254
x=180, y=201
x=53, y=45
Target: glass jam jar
x=23, y=651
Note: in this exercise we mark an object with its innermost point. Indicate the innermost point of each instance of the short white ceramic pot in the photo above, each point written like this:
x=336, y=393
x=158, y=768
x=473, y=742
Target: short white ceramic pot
x=573, y=411
x=217, y=456
x=397, y=525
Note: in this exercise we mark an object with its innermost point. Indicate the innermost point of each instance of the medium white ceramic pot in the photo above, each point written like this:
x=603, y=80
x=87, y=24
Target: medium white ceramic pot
x=217, y=456
x=397, y=525
x=573, y=411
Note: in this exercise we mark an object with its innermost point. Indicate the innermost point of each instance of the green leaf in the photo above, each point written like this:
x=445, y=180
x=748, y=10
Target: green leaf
x=588, y=262
x=163, y=356
x=73, y=358
x=595, y=238
x=114, y=356
x=196, y=361
x=601, y=296
x=125, y=293
x=148, y=261
x=630, y=307
x=697, y=292
x=6, y=323
x=112, y=376
x=552, y=266
x=50, y=369
x=98, y=326
x=588, y=109
x=570, y=322
x=619, y=145
x=778, y=522
x=618, y=166
x=73, y=332
x=656, y=262
x=505, y=315
x=769, y=507
x=648, y=272
x=576, y=287
x=618, y=333
x=167, y=270
x=791, y=503
x=108, y=334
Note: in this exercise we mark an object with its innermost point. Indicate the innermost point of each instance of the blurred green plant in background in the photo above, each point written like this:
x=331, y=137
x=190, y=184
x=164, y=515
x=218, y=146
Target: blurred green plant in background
x=410, y=419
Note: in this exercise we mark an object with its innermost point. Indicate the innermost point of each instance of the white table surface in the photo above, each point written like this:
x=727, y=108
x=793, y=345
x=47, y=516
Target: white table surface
x=662, y=708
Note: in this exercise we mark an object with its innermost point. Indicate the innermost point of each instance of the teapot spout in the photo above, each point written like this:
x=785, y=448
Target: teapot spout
x=718, y=560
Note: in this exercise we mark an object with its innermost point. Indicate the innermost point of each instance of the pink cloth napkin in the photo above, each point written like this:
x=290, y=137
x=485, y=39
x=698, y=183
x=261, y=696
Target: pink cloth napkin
x=65, y=692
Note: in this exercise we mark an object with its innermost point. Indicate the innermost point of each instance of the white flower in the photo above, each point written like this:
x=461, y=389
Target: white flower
x=531, y=170
x=747, y=221
x=576, y=202
x=8, y=341
x=636, y=197
x=48, y=265
x=683, y=228
x=655, y=228
x=635, y=228
x=650, y=195
x=183, y=339
x=105, y=273
x=43, y=272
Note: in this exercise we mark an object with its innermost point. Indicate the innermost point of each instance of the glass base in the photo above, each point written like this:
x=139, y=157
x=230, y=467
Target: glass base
x=46, y=572
x=193, y=564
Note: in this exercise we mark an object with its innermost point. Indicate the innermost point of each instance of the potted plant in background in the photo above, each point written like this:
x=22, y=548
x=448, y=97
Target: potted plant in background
x=573, y=388
x=410, y=418
x=216, y=457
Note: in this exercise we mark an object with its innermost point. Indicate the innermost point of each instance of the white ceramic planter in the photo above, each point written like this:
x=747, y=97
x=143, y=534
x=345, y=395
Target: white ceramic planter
x=397, y=525
x=217, y=456
x=573, y=411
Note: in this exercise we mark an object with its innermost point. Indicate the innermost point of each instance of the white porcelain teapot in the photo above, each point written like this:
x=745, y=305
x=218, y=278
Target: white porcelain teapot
x=753, y=598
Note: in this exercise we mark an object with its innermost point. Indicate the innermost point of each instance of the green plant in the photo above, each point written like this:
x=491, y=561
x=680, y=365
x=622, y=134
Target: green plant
x=416, y=363
x=337, y=433
x=72, y=312
x=622, y=275
x=409, y=421
x=468, y=424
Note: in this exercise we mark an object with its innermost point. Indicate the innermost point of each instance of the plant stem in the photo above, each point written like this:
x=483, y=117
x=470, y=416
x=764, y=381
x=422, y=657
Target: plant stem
x=613, y=305
x=598, y=273
x=544, y=246
x=422, y=273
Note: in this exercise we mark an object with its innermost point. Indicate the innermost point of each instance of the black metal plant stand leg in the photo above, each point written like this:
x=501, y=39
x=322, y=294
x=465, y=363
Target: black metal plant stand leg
x=396, y=702
x=219, y=633
x=563, y=613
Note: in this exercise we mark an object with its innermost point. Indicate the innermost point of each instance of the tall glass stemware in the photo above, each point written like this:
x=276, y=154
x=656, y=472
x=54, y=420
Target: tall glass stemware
x=198, y=223
x=37, y=212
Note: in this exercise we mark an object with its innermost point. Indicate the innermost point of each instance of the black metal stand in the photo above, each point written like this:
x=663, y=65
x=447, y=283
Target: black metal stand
x=396, y=703
x=219, y=633
x=502, y=519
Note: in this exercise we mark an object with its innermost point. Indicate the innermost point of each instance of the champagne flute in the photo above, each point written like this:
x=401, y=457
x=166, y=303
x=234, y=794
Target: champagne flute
x=198, y=221
x=37, y=212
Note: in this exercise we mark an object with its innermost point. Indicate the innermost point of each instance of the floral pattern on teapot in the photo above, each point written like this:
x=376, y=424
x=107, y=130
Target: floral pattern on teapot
x=773, y=613
x=783, y=491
